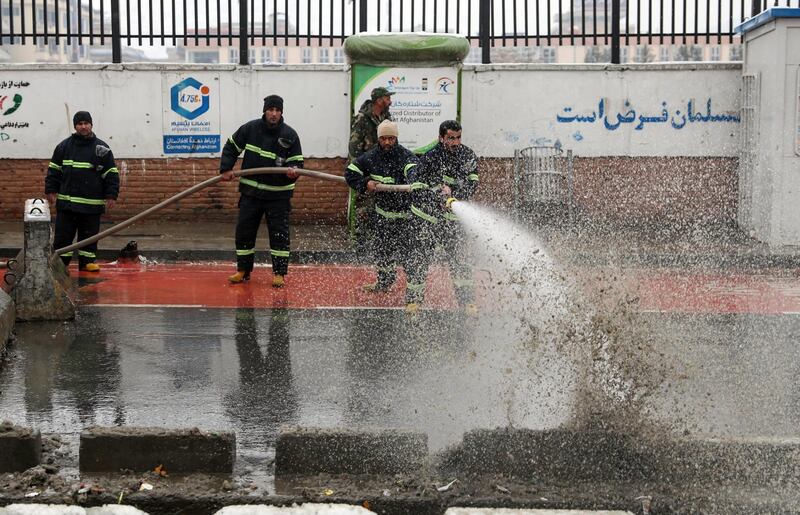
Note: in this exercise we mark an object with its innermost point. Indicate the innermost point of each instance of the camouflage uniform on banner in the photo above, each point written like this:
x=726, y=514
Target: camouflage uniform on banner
x=364, y=137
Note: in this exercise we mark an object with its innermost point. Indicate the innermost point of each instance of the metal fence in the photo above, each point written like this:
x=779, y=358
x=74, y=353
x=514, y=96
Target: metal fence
x=487, y=23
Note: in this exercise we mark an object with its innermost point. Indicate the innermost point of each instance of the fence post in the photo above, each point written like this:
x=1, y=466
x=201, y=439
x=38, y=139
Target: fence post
x=484, y=30
x=244, y=54
x=615, y=32
x=362, y=15
x=116, y=37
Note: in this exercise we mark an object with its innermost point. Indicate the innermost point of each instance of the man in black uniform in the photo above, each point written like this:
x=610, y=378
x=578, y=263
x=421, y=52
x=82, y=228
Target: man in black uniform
x=364, y=137
x=388, y=163
x=266, y=142
x=448, y=169
x=82, y=182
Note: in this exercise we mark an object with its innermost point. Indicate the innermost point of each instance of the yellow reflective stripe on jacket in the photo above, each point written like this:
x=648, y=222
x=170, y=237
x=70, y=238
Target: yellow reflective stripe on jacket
x=419, y=186
x=86, y=253
x=77, y=164
x=408, y=167
x=259, y=151
x=294, y=158
x=245, y=252
x=473, y=177
x=382, y=179
x=451, y=216
x=110, y=170
x=422, y=214
x=54, y=166
x=279, y=253
x=235, y=145
x=81, y=200
x=353, y=168
x=266, y=187
x=448, y=180
x=390, y=214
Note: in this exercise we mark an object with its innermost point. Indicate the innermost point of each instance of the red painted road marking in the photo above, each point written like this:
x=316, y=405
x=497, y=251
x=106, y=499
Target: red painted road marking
x=206, y=285
x=338, y=286
x=718, y=293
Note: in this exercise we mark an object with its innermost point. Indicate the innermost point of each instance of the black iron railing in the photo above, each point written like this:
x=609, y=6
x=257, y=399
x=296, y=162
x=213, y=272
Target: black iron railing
x=486, y=23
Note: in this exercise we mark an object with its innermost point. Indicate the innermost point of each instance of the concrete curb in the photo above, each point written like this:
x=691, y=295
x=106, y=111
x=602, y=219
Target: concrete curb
x=110, y=449
x=303, y=509
x=20, y=448
x=568, y=455
x=63, y=509
x=307, y=451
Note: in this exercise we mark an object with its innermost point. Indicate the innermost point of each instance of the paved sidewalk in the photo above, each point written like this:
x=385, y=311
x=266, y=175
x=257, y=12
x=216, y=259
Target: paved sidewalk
x=586, y=242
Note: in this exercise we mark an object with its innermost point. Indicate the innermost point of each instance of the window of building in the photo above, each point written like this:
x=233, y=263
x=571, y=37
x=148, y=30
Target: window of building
x=266, y=55
x=715, y=53
x=324, y=55
x=623, y=54
x=338, y=55
x=203, y=57
x=306, y=55
x=548, y=54
x=40, y=44
x=736, y=53
x=663, y=54
x=282, y=55
x=233, y=55
x=251, y=55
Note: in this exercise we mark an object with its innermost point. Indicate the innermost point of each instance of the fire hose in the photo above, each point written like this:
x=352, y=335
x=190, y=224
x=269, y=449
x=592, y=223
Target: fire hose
x=205, y=184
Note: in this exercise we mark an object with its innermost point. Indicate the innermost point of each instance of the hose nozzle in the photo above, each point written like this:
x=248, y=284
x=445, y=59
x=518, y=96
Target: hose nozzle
x=449, y=203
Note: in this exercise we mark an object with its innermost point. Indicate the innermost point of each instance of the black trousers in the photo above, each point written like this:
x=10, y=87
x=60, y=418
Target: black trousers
x=70, y=223
x=390, y=247
x=276, y=212
x=424, y=237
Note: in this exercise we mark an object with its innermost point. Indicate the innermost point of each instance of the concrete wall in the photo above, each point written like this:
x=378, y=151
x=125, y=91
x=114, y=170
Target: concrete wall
x=639, y=151
x=773, y=55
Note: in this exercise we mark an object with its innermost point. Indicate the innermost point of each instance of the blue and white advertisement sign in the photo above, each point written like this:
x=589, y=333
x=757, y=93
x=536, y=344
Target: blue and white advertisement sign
x=191, y=114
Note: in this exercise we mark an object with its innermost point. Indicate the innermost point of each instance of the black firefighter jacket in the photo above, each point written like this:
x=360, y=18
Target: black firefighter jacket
x=263, y=146
x=83, y=175
x=458, y=169
x=386, y=167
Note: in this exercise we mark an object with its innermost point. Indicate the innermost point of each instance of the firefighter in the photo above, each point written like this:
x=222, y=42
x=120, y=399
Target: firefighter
x=364, y=137
x=452, y=169
x=388, y=163
x=82, y=182
x=266, y=142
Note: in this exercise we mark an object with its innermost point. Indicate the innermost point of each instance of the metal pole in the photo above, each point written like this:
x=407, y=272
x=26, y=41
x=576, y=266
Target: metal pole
x=615, y=32
x=755, y=9
x=244, y=58
x=116, y=37
x=362, y=15
x=484, y=30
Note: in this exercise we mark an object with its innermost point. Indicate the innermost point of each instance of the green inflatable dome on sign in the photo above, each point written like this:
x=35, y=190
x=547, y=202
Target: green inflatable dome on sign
x=393, y=48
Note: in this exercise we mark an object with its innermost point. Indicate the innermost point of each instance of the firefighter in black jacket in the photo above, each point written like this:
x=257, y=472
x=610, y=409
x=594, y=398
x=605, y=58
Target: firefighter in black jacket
x=448, y=169
x=388, y=163
x=266, y=142
x=82, y=182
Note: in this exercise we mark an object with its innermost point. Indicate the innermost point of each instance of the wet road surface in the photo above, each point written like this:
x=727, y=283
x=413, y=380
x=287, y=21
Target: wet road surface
x=175, y=346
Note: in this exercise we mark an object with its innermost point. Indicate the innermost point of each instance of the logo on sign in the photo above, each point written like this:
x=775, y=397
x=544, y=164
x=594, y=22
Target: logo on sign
x=189, y=98
x=444, y=86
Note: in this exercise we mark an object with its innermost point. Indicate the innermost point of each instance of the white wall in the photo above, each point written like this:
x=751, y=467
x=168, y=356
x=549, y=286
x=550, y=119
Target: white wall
x=504, y=107
x=515, y=106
